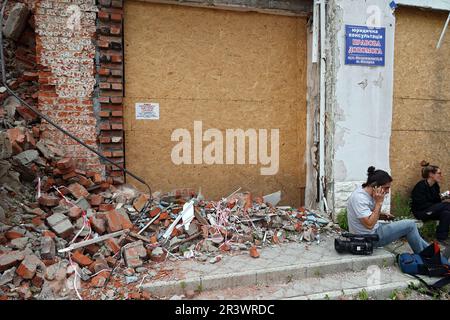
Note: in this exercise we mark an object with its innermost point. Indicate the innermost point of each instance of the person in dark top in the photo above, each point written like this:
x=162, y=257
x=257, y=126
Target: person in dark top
x=427, y=203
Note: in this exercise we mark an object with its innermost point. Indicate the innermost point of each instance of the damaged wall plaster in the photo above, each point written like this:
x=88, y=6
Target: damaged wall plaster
x=360, y=101
x=65, y=52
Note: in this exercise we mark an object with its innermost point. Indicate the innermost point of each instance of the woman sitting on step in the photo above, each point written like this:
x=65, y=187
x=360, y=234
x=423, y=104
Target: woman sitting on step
x=364, y=208
x=427, y=203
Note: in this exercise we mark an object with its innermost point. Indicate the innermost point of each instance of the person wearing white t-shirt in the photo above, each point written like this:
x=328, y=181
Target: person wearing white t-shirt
x=364, y=209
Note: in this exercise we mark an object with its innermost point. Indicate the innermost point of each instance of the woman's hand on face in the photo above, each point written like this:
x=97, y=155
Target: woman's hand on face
x=378, y=194
x=446, y=200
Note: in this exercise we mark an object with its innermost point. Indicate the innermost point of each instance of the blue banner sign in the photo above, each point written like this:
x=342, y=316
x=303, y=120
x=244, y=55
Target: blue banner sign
x=364, y=45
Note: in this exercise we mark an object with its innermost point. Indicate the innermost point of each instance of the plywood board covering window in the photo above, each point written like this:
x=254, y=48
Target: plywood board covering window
x=229, y=70
x=421, y=114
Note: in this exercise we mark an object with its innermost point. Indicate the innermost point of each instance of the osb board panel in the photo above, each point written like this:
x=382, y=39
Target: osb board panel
x=230, y=70
x=421, y=70
x=408, y=148
x=421, y=105
x=415, y=114
x=194, y=53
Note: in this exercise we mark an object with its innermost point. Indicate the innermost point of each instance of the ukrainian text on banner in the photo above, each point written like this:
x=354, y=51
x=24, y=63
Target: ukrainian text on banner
x=364, y=45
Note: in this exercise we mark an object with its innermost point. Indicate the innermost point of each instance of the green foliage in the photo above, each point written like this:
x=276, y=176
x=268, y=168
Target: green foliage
x=401, y=206
x=363, y=295
x=428, y=230
x=393, y=295
x=342, y=219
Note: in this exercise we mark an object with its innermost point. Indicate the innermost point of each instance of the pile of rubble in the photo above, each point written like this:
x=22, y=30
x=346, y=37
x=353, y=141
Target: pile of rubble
x=63, y=229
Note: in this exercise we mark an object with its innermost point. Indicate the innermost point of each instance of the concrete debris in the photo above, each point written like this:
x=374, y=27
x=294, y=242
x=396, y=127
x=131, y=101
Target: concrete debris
x=60, y=223
x=16, y=22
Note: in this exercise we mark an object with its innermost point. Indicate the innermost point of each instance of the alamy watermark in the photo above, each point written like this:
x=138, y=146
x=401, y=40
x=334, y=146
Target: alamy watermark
x=228, y=148
x=373, y=273
x=74, y=20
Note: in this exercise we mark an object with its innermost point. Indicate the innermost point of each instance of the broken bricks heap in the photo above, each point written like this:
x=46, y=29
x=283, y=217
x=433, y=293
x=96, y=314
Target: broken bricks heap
x=59, y=223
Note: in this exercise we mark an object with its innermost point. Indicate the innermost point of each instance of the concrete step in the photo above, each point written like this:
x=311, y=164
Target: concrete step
x=374, y=283
x=278, y=264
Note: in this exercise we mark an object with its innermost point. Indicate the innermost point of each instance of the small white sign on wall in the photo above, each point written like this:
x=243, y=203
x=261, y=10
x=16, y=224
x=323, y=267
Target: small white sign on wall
x=147, y=111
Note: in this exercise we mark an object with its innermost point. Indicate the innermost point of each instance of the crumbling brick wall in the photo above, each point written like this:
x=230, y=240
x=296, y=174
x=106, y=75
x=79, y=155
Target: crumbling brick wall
x=77, y=48
x=65, y=54
x=110, y=83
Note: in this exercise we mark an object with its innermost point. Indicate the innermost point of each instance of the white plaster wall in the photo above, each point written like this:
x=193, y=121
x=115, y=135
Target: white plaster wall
x=362, y=106
x=346, y=189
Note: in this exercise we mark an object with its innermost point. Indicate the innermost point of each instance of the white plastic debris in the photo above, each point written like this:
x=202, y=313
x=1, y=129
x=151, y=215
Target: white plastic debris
x=273, y=198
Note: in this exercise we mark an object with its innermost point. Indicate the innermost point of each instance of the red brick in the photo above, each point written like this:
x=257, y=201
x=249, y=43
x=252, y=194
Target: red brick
x=112, y=245
x=99, y=280
x=134, y=296
x=103, y=99
x=27, y=268
x=30, y=138
x=116, y=221
x=117, y=154
x=69, y=175
x=98, y=265
x=78, y=190
x=38, y=280
x=116, y=59
x=65, y=163
x=104, y=114
x=96, y=200
x=85, y=182
x=104, y=186
x=97, y=178
x=98, y=225
x=75, y=212
x=116, y=126
x=81, y=259
x=117, y=86
x=11, y=235
x=36, y=132
x=48, y=233
x=105, y=139
x=16, y=134
x=92, y=249
x=37, y=221
x=154, y=212
x=16, y=148
x=103, y=44
x=103, y=15
x=224, y=247
x=115, y=30
x=164, y=216
x=104, y=71
x=106, y=207
x=48, y=200
x=116, y=100
x=253, y=252
x=26, y=113
x=117, y=17
x=146, y=295
x=105, y=85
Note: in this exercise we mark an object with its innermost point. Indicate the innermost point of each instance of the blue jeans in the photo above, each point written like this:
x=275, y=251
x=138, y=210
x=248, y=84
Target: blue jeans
x=389, y=232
